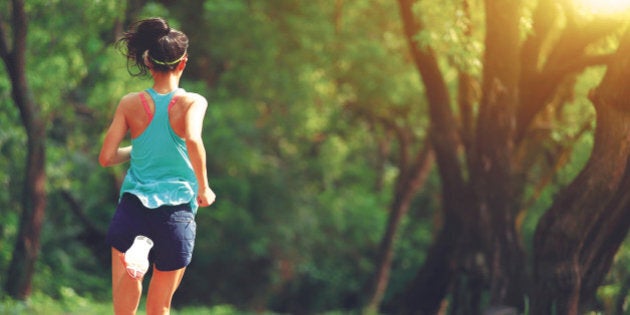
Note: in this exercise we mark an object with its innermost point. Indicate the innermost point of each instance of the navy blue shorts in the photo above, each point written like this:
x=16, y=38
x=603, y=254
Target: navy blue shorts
x=172, y=229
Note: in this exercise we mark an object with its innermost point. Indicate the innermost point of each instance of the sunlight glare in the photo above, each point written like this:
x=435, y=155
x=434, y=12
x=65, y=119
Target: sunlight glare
x=603, y=7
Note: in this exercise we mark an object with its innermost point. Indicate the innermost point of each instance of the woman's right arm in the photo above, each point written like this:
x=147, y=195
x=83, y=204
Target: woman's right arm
x=196, y=150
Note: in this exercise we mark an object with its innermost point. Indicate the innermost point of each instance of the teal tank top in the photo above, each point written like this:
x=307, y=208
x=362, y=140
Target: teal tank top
x=160, y=172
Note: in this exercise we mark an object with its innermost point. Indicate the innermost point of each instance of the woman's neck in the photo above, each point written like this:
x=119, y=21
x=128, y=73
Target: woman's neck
x=164, y=83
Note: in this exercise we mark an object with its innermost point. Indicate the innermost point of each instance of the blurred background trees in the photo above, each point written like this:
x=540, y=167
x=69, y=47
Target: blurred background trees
x=386, y=156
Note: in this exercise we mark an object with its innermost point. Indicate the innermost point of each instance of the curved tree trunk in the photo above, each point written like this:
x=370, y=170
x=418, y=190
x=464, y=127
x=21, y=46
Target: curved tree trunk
x=577, y=238
x=20, y=273
x=432, y=282
x=408, y=183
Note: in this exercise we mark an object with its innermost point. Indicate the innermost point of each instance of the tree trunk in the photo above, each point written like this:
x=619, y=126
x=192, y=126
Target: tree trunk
x=22, y=267
x=492, y=172
x=408, y=184
x=420, y=298
x=426, y=291
x=577, y=238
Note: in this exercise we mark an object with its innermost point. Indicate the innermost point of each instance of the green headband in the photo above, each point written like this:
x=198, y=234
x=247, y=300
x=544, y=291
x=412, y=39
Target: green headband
x=167, y=63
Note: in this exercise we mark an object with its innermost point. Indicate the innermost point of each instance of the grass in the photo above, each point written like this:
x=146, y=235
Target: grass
x=40, y=304
x=71, y=303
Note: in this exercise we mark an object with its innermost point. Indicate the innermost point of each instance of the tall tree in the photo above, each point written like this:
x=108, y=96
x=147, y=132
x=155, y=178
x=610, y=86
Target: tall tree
x=13, y=52
x=484, y=160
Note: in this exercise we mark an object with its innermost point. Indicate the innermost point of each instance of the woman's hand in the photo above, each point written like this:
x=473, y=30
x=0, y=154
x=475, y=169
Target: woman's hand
x=205, y=197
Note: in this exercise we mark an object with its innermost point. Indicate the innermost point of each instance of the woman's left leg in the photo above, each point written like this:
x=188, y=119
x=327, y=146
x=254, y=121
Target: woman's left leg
x=126, y=291
x=161, y=289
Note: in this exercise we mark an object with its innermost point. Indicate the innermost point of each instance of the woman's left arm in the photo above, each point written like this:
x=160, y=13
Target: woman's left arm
x=111, y=152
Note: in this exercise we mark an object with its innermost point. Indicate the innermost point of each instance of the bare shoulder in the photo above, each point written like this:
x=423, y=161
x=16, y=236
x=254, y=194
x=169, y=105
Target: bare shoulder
x=130, y=97
x=191, y=99
x=128, y=100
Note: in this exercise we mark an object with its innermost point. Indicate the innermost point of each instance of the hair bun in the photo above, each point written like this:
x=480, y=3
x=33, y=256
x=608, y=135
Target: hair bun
x=153, y=29
x=165, y=46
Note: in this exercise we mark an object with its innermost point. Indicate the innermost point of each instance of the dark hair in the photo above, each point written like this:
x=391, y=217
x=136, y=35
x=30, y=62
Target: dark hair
x=165, y=47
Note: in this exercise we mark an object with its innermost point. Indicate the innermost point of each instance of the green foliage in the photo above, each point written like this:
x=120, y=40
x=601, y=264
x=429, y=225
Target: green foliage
x=12, y=137
x=455, y=32
x=296, y=202
x=296, y=92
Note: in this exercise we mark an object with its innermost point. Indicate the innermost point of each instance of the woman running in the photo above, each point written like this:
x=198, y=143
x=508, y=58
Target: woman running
x=166, y=181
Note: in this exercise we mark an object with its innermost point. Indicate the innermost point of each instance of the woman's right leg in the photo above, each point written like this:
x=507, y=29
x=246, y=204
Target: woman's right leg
x=161, y=289
x=126, y=291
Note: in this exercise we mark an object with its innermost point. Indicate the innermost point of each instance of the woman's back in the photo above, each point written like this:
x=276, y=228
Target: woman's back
x=138, y=119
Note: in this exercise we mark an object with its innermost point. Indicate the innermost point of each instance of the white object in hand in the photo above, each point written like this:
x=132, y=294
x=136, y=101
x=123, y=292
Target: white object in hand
x=137, y=257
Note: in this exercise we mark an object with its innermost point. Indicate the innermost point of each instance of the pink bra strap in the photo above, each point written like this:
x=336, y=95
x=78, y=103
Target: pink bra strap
x=145, y=105
x=173, y=100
